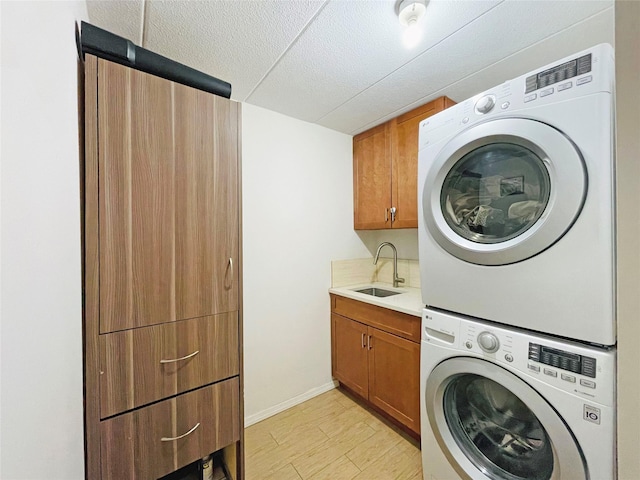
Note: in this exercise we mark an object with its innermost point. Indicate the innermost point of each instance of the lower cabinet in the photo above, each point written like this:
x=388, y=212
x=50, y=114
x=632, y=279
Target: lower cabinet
x=381, y=367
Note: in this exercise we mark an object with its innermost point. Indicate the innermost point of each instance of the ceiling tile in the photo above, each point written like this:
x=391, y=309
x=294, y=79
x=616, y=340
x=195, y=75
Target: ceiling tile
x=123, y=18
x=502, y=31
x=350, y=46
x=237, y=41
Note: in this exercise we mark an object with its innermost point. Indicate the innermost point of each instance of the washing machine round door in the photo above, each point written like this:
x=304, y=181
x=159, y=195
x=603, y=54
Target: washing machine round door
x=492, y=425
x=503, y=191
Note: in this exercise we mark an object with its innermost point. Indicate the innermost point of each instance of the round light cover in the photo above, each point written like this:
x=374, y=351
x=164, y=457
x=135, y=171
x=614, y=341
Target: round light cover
x=411, y=11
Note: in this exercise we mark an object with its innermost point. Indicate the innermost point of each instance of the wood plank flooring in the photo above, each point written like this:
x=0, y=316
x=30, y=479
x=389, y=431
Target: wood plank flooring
x=330, y=437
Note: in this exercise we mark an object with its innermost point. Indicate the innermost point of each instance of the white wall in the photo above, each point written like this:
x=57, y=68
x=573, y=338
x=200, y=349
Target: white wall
x=628, y=232
x=41, y=345
x=297, y=217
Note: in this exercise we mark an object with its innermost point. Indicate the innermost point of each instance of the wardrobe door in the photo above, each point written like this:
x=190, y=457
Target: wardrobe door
x=136, y=193
x=168, y=203
x=206, y=203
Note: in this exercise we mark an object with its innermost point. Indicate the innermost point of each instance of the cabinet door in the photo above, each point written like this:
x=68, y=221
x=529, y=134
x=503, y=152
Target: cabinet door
x=168, y=205
x=405, y=130
x=394, y=377
x=372, y=179
x=206, y=203
x=350, y=354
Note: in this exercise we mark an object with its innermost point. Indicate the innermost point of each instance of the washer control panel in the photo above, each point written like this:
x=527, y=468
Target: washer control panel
x=583, y=370
x=564, y=360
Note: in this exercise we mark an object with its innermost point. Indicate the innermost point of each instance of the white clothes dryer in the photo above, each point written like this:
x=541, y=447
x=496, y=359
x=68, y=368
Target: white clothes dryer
x=504, y=404
x=516, y=202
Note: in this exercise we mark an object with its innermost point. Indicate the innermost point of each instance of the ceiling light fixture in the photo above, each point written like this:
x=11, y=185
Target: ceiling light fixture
x=410, y=12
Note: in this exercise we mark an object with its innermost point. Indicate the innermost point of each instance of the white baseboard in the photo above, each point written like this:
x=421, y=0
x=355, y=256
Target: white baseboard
x=281, y=407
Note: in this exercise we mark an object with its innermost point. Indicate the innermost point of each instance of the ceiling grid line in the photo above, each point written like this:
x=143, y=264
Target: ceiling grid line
x=408, y=62
x=143, y=19
x=443, y=90
x=341, y=64
x=286, y=50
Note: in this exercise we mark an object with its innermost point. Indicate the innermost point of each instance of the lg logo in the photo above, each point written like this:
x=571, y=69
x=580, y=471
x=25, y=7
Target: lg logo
x=591, y=414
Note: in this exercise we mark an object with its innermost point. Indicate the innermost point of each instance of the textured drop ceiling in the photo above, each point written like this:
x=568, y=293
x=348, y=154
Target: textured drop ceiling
x=341, y=63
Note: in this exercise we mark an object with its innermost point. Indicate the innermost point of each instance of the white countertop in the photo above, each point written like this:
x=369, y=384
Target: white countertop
x=409, y=301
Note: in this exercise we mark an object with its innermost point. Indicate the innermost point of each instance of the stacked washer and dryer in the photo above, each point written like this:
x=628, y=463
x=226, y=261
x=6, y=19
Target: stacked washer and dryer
x=517, y=260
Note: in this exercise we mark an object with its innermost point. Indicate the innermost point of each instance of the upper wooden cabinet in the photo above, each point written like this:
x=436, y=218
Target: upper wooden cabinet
x=385, y=170
x=168, y=200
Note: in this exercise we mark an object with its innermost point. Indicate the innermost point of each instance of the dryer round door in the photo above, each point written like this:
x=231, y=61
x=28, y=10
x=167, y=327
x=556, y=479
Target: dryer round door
x=491, y=424
x=503, y=191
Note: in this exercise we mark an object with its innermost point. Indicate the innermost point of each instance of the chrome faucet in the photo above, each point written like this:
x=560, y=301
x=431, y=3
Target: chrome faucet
x=396, y=279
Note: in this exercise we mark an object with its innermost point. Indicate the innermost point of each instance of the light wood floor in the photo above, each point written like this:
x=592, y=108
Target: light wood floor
x=329, y=437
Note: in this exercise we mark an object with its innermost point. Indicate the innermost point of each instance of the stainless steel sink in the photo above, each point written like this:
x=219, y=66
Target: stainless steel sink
x=377, y=292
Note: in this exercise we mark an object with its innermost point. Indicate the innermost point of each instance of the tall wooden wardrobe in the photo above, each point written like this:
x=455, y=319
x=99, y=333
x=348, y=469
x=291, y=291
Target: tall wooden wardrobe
x=162, y=275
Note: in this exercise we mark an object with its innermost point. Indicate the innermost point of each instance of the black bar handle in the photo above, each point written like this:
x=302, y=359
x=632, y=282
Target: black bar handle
x=109, y=46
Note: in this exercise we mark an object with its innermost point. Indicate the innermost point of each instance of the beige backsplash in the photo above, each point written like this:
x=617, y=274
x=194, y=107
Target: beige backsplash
x=362, y=270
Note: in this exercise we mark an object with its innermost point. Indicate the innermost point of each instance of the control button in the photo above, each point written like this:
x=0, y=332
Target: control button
x=530, y=98
x=565, y=86
x=551, y=373
x=546, y=92
x=583, y=80
x=508, y=357
x=468, y=344
x=485, y=104
x=465, y=120
x=535, y=368
x=587, y=383
x=568, y=378
x=488, y=342
x=505, y=105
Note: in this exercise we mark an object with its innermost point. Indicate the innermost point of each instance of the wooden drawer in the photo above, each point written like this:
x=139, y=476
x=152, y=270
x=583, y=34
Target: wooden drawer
x=133, y=368
x=397, y=323
x=139, y=446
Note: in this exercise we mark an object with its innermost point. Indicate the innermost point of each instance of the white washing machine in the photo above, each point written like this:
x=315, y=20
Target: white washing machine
x=503, y=404
x=516, y=202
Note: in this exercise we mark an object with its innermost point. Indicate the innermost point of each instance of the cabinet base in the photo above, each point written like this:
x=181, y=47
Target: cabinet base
x=401, y=429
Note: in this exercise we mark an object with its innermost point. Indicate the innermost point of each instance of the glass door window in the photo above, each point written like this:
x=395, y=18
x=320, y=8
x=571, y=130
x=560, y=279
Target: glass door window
x=495, y=193
x=495, y=429
x=502, y=191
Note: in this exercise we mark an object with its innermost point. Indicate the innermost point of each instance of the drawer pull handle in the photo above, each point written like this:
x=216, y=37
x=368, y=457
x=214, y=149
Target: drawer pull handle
x=172, y=439
x=181, y=358
x=231, y=269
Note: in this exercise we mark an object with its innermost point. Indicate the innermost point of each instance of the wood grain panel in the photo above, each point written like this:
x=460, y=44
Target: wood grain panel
x=397, y=323
x=372, y=178
x=350, y=354
x=136, y=198
x=91, y=272
x=131, y=374
x=131, y=444
x=394, y=377
x=207, y=217
x=405, y=132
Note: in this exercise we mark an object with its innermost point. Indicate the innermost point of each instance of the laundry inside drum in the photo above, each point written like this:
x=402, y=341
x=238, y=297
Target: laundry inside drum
x=496, y=430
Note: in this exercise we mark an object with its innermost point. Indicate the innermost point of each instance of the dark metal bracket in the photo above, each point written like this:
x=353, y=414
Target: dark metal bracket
x=104, y=44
